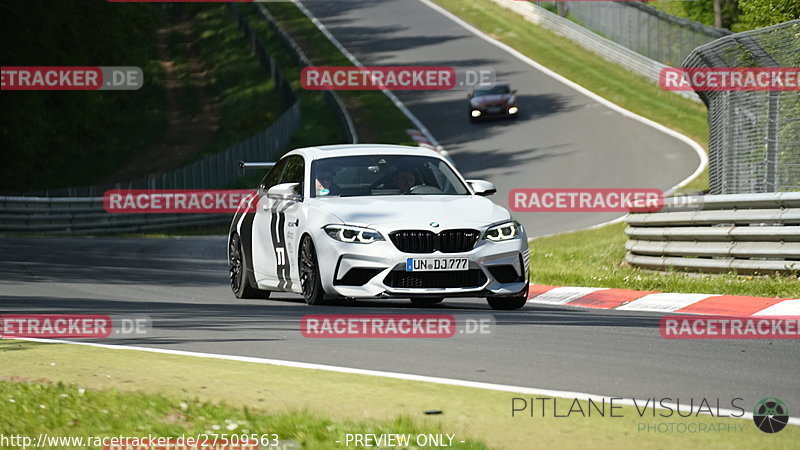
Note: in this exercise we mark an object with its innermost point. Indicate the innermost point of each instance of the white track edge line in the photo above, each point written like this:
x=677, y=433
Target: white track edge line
x=701, y=153
x=397, y=102
x=394, y=375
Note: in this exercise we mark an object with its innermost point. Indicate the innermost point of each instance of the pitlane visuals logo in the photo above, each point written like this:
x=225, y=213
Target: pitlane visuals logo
x=771, y=415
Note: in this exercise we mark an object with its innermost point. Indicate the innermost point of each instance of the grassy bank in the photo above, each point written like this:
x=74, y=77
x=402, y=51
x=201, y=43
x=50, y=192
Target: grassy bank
x=376, y=118
x=57, y=139
x=248, y=98
x=320, y=124
x=133, y=393
x=66, y=138
x=62, y=410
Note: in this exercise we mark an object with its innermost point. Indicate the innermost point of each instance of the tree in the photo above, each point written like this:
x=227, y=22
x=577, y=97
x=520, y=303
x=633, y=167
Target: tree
x=763, y=13
x=719, y=13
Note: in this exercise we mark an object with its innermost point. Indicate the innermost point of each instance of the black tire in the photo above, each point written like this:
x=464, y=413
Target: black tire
x=241, y=285
x=309, y=273
x=424, y=301
x=509, y=302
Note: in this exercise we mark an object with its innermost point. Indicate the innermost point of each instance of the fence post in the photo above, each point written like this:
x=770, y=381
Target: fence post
x=772, y=138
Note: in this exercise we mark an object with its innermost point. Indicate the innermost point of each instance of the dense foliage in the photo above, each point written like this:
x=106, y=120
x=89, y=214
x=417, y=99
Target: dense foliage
x=49, y=135
x=762, y=13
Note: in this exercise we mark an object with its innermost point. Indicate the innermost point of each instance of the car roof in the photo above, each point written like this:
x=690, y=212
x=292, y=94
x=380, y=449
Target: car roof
x=330, y=151
x=492, y=86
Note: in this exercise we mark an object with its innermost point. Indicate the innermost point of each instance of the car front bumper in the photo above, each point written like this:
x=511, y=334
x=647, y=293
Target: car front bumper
x=377, y=270
x=495, y=112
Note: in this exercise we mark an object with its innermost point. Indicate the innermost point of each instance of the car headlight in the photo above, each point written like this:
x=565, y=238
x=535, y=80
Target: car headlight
x=503, y=232
x=476, y=113
x=349, y=233
x=513, y=110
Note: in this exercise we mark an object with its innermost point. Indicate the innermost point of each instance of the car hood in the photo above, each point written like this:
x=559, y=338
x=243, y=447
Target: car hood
x=500, y=99
x=414, y=211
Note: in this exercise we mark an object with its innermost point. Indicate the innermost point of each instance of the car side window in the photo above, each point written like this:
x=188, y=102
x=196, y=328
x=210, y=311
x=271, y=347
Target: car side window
x=294, y=172
x=273, y=176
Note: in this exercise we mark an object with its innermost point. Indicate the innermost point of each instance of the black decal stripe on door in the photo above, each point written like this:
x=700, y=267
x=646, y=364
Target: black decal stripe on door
x=276, y=244
x=284, y=274
x=246, y=238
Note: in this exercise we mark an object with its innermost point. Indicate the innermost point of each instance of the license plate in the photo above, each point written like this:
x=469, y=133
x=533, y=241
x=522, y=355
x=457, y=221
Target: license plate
x=436, y=264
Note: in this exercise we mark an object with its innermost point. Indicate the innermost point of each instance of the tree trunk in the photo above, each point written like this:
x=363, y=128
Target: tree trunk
x=718, y=13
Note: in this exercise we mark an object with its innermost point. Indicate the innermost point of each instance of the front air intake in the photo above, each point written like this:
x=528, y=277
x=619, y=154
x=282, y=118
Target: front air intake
x=423, y=241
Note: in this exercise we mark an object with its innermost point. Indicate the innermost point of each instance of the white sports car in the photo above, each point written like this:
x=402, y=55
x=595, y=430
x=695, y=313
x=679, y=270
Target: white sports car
x=376, y=221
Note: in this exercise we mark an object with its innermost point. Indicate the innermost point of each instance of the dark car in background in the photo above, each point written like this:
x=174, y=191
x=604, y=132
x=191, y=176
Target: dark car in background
x=498, y=101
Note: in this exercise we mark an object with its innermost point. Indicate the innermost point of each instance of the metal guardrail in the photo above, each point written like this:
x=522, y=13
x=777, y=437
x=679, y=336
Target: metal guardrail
x=81, y=210
x=646, y=30
x=605, y=48
x=85, y=215
x=754, y=233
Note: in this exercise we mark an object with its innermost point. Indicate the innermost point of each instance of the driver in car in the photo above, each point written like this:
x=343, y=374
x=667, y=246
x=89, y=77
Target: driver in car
x=405, y=180
x=324, y=183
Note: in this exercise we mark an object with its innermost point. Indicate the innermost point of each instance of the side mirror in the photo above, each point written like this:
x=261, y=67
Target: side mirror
x=469, y=96
x=285, y=191
x=482, y=187
x=514, y=92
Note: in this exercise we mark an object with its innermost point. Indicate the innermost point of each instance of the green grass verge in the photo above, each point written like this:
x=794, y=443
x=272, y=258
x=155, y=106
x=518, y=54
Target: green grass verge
x=376, y=118
x=69, y=410
x=132, y=392
x=319, y=125
x=594, y=258
x=53, y=139
x=249, y=100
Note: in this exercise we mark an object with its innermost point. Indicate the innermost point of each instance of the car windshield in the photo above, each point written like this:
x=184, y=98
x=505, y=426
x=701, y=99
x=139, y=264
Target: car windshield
x=373, y=175
x=500, y=89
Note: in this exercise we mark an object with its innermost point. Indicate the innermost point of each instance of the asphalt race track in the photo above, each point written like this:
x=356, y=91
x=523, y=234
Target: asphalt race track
x=182, y=285
x=562, y=139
